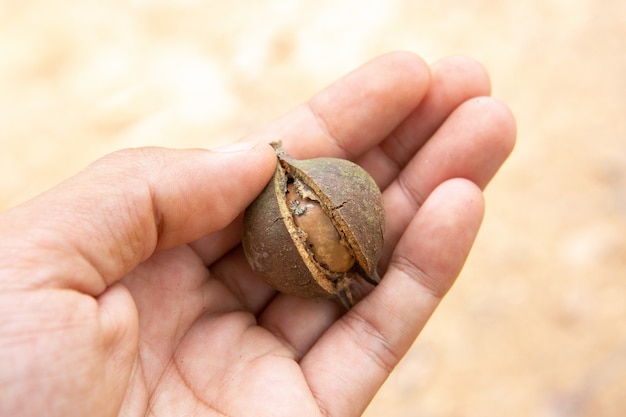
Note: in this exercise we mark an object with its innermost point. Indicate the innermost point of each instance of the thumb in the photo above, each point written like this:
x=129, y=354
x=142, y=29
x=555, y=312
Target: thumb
x=94, y=228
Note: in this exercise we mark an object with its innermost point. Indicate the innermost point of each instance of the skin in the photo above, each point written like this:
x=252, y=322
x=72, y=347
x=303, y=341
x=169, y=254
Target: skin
x=124, y=290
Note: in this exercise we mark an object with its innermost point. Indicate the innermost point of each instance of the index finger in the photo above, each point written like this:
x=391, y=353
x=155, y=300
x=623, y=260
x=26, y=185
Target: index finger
x=344, y=120
x=356, y=112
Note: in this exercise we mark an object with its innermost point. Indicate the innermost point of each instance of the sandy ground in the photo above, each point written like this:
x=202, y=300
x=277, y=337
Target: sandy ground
x=536, y=325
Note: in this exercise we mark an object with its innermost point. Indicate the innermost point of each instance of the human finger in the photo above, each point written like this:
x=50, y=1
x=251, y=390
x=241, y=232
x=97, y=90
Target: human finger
x=94, y=228
x=349, y=363
x=472, y=143
x=345, y=119
x=355, y=112
x=454, y=80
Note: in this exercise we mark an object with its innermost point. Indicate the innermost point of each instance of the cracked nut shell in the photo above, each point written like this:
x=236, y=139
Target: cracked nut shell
x=317, y=225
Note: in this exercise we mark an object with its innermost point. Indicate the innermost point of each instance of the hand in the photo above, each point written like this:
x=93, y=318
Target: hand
x=124, y=290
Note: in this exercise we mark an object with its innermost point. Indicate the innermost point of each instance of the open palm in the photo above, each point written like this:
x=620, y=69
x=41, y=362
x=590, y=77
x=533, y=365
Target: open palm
x=139, y=298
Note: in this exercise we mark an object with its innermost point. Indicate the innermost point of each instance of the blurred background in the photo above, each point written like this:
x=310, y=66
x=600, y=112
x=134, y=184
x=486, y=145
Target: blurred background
x=536, y=325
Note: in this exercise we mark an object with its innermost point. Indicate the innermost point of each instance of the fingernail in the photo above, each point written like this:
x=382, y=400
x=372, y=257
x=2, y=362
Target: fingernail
x=235, y=147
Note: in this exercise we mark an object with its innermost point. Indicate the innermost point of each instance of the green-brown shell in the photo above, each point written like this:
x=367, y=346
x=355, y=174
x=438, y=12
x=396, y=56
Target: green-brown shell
x=275, y=247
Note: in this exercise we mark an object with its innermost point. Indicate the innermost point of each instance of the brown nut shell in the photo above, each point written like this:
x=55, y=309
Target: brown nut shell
x=278, y=249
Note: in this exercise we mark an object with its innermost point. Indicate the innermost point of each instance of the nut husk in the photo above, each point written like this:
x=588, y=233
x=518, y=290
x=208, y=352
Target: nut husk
x=279, y=248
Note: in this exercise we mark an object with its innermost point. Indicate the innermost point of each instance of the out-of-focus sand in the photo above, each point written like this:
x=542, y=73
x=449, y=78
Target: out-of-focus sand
x=536, y=325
